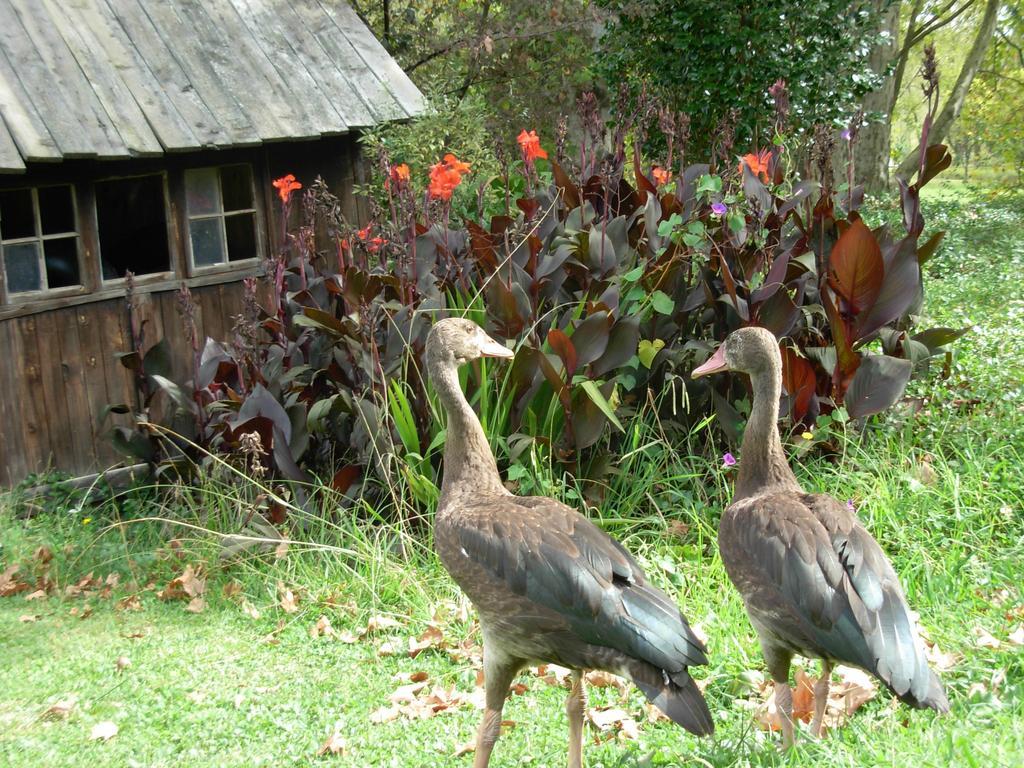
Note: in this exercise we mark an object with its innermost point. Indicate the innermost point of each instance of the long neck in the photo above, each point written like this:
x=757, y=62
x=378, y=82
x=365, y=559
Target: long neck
x=469, y=465
x=763, y=464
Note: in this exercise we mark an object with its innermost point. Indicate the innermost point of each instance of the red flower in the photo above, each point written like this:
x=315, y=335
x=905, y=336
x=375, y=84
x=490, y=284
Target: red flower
x=285, y=186
x=661, y=176
x=446, y=176
x=364, y=233
x=757, y=163
x=529, y=143
x=375, y=244
x=400, y=173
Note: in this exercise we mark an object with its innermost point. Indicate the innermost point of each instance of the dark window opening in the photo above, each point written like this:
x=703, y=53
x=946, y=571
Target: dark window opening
x=131, y=219
x=221, y=215
x=39, y=239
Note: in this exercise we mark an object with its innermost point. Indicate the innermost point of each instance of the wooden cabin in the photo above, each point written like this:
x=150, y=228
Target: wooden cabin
x=143, y=136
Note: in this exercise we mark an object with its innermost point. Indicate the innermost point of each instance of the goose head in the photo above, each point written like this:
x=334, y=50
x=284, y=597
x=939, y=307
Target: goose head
x=748, y=350
x=461, y=341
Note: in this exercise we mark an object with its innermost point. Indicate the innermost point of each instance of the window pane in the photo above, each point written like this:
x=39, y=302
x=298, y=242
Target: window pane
x=130, y=216
x=61, y=255
x=241, y=232
x=236, y=184
x=201, y=191
x=16, y=217
x=22, y=265
x=56, y=213
x=207, y=244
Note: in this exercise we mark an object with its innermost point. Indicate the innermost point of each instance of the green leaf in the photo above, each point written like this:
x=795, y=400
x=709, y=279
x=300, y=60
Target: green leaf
x=709, y=183
x=662, y=303
x=318, y=414
x=735, y=221
x=590, y=387
x=665, y=228
x=648, y=350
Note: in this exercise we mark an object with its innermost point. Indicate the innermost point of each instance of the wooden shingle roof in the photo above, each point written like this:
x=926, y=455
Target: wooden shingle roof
x=112, y=79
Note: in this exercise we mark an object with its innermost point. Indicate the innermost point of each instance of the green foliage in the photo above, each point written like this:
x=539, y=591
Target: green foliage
x=707, y=58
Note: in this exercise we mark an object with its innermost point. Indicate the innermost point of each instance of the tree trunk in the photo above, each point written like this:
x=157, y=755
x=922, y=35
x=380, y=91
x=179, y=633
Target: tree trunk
x=872, y=149
x=951, y=111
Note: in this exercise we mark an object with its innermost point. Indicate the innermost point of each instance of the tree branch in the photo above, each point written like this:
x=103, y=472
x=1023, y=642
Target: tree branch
x=938, y=22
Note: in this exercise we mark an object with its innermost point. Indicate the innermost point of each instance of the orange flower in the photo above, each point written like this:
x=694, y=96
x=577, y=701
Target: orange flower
x=757, y=163
x=446, y=176
x=285, y=186
x=529, y=143
x=375, y=244
x=400, y=173
x=661, y=176
x=364, y=233
x=455, y=164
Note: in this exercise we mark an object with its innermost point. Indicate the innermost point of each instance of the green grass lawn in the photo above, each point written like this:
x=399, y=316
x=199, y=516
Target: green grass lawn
x=943, y=490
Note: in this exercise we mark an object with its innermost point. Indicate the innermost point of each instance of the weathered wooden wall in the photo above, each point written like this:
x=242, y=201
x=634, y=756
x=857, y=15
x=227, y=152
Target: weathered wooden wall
x=58, y=370
x=61, y=373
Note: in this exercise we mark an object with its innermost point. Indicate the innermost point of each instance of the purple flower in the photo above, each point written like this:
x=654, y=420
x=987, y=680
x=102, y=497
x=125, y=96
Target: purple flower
x=728, y=460
x=845, y=134
x=851, y=507
x=719, y=209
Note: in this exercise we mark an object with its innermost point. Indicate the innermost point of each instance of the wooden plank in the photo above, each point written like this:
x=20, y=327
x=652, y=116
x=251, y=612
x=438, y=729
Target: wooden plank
x=51, y=388
x=211, y=58
x=97, y=23
x=56, y=84
x=260, y=86
x=10, y=157
x=291, y=63
x=93, y=351
x=35, y=426
x=174, y=332
x=35, y=143
x=330, y=79
x=94, y=59
x=378, y=60
x=80, y=431
x=160, y=33
x=112, y=325
x=13, y=437
x=381, y=104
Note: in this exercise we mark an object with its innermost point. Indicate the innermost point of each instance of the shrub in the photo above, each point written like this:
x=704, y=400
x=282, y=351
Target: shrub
x=614, y=278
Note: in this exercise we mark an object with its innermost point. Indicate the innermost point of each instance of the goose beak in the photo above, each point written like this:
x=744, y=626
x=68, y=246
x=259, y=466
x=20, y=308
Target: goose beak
x=492, y=348
x=714, y=364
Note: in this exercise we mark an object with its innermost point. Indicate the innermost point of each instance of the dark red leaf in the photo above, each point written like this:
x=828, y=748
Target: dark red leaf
x=799, y=382
x=570, y=192
x=855, y=267
x=564, y=348
x=878, y=383
x=590, y=338
x=778, y=314
x=622, y=345
x=926, y=251
x=900, y=289
x=344, y=478
x=939, y=337
x=936, y=160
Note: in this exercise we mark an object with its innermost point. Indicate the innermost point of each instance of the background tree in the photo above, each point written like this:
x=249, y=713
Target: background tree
x=526, y=60
x=903, y=28
x=710, y=58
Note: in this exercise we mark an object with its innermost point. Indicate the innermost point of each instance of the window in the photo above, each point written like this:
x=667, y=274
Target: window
x=131, y=221
x=39, y=239
x=221, y=215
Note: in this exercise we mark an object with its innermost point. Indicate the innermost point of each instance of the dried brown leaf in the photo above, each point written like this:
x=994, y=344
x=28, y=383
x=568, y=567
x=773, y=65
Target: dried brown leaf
x=322, y=628
x=288, y=600
x=103, y=731
x=983, y=639
x=384, y=715
x=28, y=618
x=466, y=748
x=9, y=585
x=62, y=709
x=39, y=594
x=407, y=693
x=129, y=603
x=196, y=605
x=433, y=637
x=335, y=745
x=378, y=623
x=600, y=679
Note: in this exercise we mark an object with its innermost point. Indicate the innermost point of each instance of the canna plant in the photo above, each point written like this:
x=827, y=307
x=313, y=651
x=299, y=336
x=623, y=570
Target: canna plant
x=614, y=277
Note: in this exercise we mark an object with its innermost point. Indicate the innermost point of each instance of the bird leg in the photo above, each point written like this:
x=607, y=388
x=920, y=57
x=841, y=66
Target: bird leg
x=575, y=706
x=778, y=660
x=498, y=674
x=784, y=706
x=821, y=697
